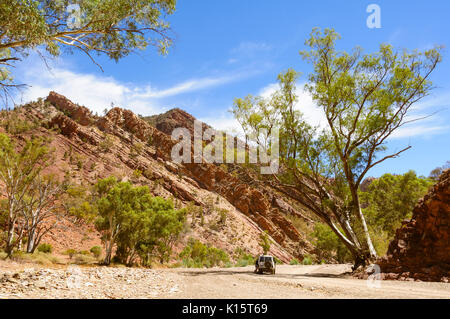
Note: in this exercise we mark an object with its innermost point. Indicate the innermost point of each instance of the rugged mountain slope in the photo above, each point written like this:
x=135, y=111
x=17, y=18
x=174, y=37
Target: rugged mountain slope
x=89, y=147
x=421, y=247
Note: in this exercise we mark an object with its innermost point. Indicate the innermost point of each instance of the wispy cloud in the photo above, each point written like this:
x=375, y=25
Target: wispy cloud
x=419, y=130
x=188, y=86
x=97, y=92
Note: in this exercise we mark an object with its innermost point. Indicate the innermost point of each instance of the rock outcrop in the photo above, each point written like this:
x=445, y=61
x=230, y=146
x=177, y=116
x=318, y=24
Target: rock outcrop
x=421, y=247
x=246, y=199
x=79, y=113
x=88, y=147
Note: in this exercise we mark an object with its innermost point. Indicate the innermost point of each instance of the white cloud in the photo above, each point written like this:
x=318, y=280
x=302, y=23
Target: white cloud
x=188, y=86
x=226, y=123
x=98, y=92
x=94, y=92
x=418, y=130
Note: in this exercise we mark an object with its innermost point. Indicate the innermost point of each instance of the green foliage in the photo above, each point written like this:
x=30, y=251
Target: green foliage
x=243, y=259
x=20, y=173
x=308, y=260
x=195, y=212
x=15, y=125
x=294, y=262
x=96, y=251
x=45, y=248
x=115, y=28
x=198, y=255
x=136, y=149
x=365, y=98
x=329, y=245
x=435, y=173
x=36, y=257
x=70, y=252
x=391, y=198
x=223, y=215
x=77, y=204
x=265, y=242
x=137, y=223
x=136, y=174
x=106, y=143
x=388, y=201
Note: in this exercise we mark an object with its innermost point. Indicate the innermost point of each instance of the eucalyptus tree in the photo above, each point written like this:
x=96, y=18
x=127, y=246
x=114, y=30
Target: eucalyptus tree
x=365, y=98
x=115, y=28
x=20, y=168
x=41, y=209
x=134, y=222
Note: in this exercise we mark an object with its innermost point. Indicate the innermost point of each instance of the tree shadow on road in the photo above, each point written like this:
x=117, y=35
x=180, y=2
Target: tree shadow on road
x=251, y=273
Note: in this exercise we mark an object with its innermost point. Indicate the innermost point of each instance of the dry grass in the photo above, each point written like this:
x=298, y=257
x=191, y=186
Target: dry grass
x=37, y=257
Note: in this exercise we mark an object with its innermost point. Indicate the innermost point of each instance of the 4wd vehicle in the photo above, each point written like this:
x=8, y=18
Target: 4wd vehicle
x=265, y=263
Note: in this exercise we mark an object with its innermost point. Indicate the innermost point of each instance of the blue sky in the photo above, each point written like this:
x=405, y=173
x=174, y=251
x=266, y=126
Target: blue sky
x=228, y=49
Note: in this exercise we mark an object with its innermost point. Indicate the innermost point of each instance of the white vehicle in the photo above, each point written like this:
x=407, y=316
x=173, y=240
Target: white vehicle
x=265, y=263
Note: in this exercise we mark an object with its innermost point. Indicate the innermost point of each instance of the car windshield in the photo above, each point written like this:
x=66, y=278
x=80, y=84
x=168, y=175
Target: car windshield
x=264, y=259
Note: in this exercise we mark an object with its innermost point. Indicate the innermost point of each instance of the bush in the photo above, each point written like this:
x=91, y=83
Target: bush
x=223, y=214
x=37, y=257
x=329, y=245
x=243, y=259
x=96, y=251
x=84, y=259
x=294, y=262
x=106, y=144
x=70, y=252
x=198, y=255
x=45, y=248
x=264, y=242
x=136, y=174
x=307, y=260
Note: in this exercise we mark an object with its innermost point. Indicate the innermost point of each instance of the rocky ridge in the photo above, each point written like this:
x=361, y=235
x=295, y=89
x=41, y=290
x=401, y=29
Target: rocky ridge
x=134, y=144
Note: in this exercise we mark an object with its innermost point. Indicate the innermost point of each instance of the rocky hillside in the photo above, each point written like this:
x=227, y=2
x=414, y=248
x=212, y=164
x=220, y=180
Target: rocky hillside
x=89, y=147
x=421, y=247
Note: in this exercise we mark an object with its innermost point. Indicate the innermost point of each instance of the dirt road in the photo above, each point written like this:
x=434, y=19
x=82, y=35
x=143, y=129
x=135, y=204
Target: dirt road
x=315, y=281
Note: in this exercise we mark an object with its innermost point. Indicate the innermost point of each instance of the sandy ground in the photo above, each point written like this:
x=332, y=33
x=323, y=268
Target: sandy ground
x=315, y=281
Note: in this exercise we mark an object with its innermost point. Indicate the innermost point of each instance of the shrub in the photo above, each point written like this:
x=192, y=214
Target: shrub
x=294, y=262
x=307, y=260
x=45, y=248
x=198, y=255
x=264, y=242
x=329, y=245
x=106, y=144
x=84, y=259
x=223, y=214
x=136, y=174
x=37, y=257
x=96, y=251
x=243, y=259
x=70, y=252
